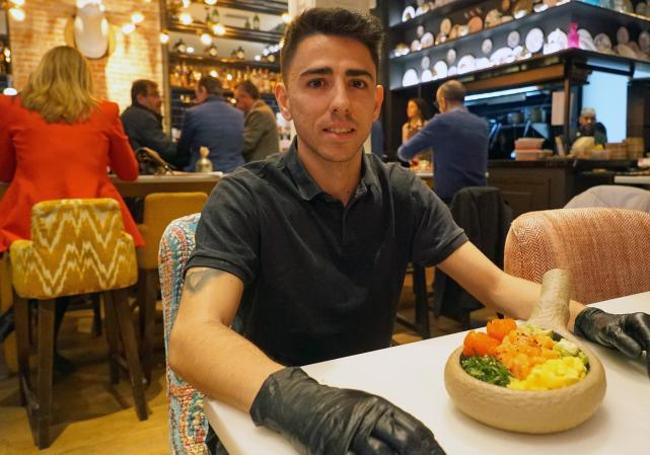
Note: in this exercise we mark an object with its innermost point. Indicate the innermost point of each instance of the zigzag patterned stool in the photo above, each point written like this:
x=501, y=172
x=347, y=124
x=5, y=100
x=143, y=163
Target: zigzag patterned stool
x=78, y=246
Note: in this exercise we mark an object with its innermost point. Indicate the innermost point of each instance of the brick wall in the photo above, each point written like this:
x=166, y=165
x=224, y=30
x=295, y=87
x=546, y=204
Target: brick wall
x=136, y=56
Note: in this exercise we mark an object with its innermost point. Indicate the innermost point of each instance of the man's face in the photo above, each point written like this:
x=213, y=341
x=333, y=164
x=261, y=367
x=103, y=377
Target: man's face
x=152, y=99
x=244, y=100
x=586, y=125
x=331, y=94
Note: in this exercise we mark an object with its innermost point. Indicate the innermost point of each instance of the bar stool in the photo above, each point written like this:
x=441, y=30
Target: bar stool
x=160, y=209
x=78, y=246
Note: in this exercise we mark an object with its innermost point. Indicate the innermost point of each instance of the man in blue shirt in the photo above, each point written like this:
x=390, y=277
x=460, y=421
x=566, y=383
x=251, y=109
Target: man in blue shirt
x=459, y=140
x=214, y=123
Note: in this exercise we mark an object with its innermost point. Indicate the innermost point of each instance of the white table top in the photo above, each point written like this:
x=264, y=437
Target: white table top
x=632, y=179
x=411, y=376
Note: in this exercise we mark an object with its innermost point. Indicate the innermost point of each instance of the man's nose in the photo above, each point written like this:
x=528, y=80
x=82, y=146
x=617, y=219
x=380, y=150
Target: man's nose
x=341, y=98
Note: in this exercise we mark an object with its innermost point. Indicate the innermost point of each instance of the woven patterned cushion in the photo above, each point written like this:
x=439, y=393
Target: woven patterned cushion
x=159, y=210
x=603, y=249
x=188, y=425
x=78, y=246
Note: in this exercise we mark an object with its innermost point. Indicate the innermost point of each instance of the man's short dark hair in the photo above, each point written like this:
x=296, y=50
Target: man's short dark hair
x=212, y=85
x=141, y=87
x=453, y=91
x=331, y=21
x=249, y=88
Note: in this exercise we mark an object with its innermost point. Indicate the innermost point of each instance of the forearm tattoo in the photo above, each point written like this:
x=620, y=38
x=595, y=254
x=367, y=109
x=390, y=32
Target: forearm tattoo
x=197, y=278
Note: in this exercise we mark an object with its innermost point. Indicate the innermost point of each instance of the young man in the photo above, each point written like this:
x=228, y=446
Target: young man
x=213, y=123
x=309, y=250
x=260, y=129
x=459, y=140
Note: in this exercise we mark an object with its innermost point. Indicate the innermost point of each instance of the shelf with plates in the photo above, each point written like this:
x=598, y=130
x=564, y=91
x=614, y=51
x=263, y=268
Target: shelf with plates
x=493, y=45
x=396, y=21
x=552, y=66
x=545, y=32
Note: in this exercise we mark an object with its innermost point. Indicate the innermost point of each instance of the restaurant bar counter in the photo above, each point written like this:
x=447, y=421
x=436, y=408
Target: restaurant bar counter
x=550, y=183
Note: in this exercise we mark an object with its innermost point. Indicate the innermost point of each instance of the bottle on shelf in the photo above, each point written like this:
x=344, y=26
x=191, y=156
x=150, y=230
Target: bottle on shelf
x=247, y=24
x=241, y=55
x=256, y=22
x=212, y=50
x=180, y=46
x=215, y=18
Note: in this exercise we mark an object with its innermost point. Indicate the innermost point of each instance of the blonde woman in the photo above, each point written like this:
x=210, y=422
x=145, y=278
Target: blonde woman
x=56, y=142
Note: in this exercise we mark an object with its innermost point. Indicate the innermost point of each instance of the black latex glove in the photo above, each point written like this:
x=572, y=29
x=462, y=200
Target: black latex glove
x=324, y=420
x=629, y=333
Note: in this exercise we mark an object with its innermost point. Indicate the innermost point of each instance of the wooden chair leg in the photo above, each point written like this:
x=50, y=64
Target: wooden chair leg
x=112, y=337
x=147, y=302
x=127, y=334
x=43, y=414
x=21, y=315
x=97, y=315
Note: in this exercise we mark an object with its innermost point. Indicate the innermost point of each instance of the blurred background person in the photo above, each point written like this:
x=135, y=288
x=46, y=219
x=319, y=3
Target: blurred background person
x=215, y=124
x=416, y=117
x=459, y=140
x=260, y=129
x=56, y=142
x=589, y=126
x=142, y=121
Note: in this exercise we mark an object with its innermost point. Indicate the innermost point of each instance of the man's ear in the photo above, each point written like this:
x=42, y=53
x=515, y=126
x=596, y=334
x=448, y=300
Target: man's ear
x=282, y=96
x=379, y=99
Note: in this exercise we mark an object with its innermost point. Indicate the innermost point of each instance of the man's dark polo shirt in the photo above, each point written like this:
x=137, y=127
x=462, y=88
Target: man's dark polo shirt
x=321, y=280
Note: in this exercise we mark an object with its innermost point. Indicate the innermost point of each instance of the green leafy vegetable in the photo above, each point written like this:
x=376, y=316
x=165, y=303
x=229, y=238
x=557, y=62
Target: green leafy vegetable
x=487, y=369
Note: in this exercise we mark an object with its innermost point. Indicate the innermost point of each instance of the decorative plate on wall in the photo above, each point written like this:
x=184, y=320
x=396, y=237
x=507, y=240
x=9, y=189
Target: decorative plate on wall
x=410, y=77
x=451, y=56
x=644, y=41
x=408, y=14
x=427, y=40
x=513, y=38
x=440, y=69
x=486, y=46
x=603, y=43
x=535, y=40
x=622, y=35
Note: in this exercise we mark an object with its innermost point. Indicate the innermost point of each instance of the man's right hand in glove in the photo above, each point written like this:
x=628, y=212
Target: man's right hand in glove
x=324, y=420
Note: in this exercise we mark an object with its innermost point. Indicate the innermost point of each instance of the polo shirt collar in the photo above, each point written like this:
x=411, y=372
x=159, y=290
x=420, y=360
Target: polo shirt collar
x=309, y=189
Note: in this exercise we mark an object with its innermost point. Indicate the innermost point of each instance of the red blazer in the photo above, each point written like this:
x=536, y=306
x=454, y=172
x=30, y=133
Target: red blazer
x=44, y=161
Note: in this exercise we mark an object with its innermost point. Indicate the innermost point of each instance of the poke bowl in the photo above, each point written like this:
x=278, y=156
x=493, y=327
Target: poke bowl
x=532, y=377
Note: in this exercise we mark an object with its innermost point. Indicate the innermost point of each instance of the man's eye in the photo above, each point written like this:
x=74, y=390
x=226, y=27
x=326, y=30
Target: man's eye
x=316, y=83
x=358, y=83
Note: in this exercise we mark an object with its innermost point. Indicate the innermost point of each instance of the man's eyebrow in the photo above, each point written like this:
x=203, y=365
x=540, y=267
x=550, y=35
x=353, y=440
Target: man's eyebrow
x=358, y=72
x=325, y=70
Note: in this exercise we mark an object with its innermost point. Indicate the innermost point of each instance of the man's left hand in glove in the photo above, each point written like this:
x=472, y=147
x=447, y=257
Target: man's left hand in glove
x=628, y=333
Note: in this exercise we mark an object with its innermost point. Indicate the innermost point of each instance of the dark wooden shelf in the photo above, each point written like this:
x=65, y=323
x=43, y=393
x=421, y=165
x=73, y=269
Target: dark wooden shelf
x=276, y=7
x=235, y=33
x=582, y=58
x=435, y=12
x=576, y=7
x=230, y=62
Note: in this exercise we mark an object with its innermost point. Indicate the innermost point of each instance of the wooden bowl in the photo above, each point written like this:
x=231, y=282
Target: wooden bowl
x=532, y=411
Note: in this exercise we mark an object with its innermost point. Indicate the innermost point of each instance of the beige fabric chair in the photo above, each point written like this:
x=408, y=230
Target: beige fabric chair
x=604, y=249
